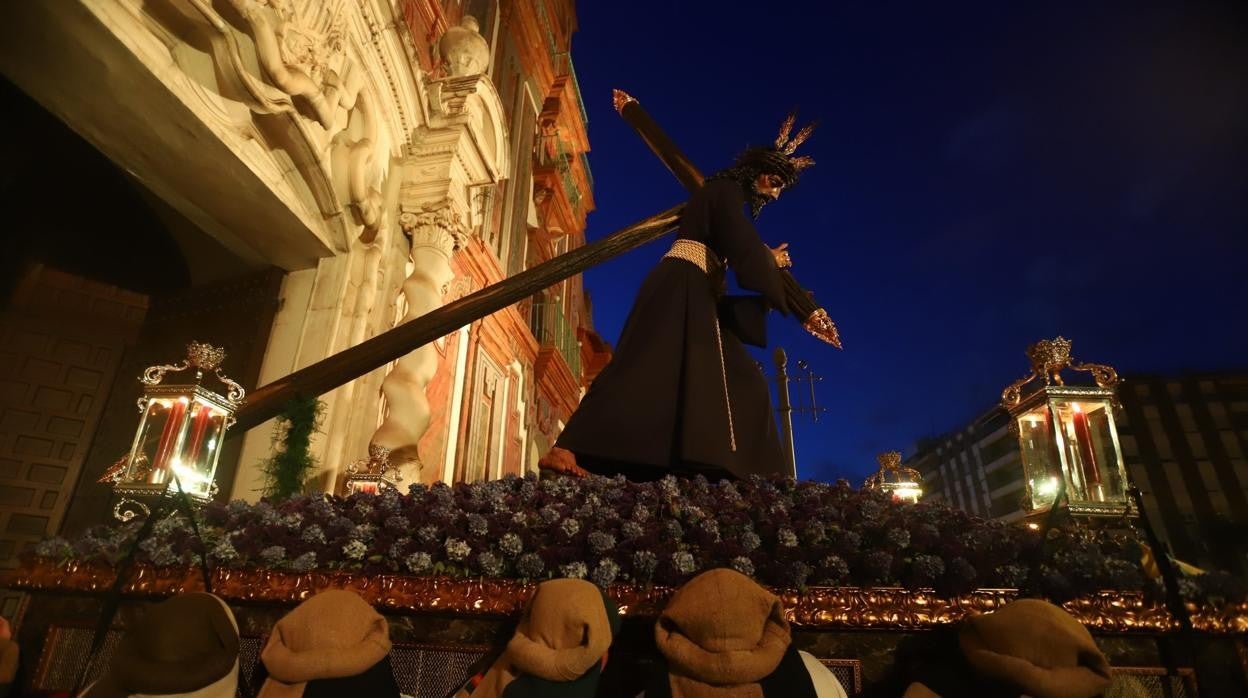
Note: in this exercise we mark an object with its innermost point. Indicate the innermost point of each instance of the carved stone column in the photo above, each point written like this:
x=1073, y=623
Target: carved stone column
x=436, y=231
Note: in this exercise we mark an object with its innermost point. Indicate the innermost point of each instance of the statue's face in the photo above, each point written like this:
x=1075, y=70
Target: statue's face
x=769, y=185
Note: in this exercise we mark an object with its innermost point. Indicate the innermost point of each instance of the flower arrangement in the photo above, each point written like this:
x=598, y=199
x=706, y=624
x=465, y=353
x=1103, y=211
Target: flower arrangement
x=781, y=532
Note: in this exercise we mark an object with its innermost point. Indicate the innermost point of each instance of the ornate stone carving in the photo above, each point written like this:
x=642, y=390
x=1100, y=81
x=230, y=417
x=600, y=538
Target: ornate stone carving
x=437, y=225
x=463, y=50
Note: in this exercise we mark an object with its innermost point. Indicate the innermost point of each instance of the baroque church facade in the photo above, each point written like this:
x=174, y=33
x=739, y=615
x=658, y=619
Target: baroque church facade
x=286, y=178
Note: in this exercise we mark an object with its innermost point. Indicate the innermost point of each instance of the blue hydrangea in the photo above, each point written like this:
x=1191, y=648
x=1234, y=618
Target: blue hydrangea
x=268, y=515
x=168, y=525
x=224, y=551
x=605, y=573
x=673, y=530
x=292, y=520
x=418, y=563
x=787, y=538
x=304, y=563
x=355, y=550
x=570, y=527
x=530, y=565
x=870, y=511
x=55, y=548
x=631, y=530
x=237, y=507
x=511, y=544
x=445, y=513
x=799, y=572
x=416, y=489
x=363, y=508
x=549, y=514
x=600, y=542
x=927, y=568
x=684, y=562
x=835, y=569
x=644, y=564
x=1014, y=576
x=428, y=533
x=877, y=566
x=320, y=507
x=457, y=550
x=743, y=565
x=364, y=532
x=273, y=554
x=399, y=547
x=389, y=499
x=750, y=541
x=396, y=522
x=491, y=565
x=898, y=537
x=574, y=570
x=342, y=522
x=313, y=534
x=163, y=556
x=478, y=525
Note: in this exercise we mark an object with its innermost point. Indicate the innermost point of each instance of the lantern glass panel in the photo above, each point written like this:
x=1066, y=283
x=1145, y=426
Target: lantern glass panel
x=1093, y=472
x=1042, y=462
x=196, y=462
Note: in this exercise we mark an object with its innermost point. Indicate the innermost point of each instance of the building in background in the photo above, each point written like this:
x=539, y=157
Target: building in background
x=285, y=178
x=1185, y=444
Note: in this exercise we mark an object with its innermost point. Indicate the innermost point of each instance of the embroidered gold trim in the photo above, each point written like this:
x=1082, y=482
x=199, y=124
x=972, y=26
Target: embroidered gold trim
x=696, y=253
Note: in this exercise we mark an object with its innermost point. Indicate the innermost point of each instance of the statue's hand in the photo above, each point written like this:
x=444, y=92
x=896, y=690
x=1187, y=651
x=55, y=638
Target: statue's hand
x=783, y=259
x=821, y=326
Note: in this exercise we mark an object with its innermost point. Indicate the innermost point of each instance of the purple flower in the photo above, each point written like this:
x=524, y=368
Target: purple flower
x=574, y=570
x=511, y=544
x=549, y=514
x=320, y=507
x=418, y=563
x=605, y=573
x=416, y=489
x=600, y=542
x=743, y=565
x=530, y=565
x=396, y=522
x=399, y=547
x=457, y=550
x=364, y=532
x=363, y=508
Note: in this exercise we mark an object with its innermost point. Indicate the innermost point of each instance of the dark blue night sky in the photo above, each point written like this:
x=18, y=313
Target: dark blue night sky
x=988, y=176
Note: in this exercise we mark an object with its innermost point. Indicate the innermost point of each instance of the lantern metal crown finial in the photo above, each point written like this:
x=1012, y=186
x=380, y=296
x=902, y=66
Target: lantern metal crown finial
x=1049, y=357
x=204, y=358
x=893, y=477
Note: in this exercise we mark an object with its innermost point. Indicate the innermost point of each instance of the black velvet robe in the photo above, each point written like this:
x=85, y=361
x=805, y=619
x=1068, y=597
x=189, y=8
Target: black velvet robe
x=659, y=405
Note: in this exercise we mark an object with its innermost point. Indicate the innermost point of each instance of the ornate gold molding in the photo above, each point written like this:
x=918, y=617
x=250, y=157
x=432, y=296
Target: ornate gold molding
x=816, y=608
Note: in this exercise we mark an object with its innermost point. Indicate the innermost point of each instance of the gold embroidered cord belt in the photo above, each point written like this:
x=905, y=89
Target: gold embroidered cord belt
x=696, y=253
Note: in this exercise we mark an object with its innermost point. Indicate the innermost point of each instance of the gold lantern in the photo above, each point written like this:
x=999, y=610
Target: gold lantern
x=1067, y=435
x=370, y=475
x=901, y=482
x=178, y=442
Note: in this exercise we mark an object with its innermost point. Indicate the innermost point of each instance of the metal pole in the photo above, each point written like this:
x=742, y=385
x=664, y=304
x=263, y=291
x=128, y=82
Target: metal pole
x=785, y=409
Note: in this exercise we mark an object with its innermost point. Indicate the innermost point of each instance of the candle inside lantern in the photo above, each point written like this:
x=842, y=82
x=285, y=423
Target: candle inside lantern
x=197, y=434
x=168, y=436
x=1087, y=457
